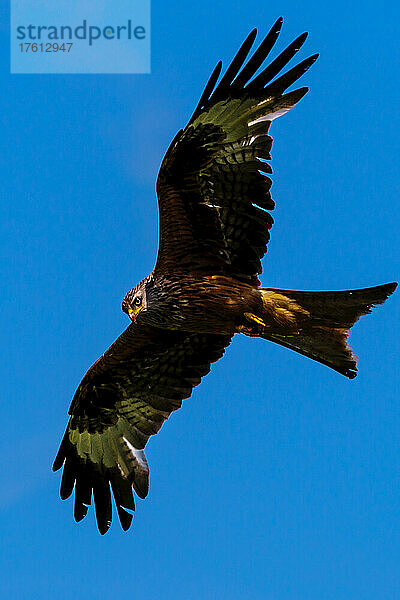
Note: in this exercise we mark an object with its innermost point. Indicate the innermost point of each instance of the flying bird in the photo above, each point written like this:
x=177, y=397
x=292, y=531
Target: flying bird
x=214, y=201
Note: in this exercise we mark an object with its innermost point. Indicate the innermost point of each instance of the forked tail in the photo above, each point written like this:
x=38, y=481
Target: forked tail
x=317, y=324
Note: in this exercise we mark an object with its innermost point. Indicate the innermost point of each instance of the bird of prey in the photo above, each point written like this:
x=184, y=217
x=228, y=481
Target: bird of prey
x=214, y=208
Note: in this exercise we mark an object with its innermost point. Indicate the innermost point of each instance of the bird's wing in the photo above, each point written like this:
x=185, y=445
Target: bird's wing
x=122, y=400
x=212, y=189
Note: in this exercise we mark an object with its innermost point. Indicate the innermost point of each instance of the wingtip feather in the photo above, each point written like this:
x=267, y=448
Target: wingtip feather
x=57, y=464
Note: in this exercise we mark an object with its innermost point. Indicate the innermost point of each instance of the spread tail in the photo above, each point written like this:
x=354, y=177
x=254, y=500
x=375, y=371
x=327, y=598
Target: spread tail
x=317, y=324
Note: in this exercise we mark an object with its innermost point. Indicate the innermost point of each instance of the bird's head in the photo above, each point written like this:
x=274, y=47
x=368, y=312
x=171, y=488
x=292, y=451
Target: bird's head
x=135, y=301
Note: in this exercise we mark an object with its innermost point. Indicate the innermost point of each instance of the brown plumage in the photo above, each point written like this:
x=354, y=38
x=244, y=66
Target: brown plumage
x=214, y=198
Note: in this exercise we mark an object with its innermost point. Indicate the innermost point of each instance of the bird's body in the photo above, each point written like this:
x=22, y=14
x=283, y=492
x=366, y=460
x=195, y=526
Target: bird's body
x=214, y=204
x=200, y=304
x=217, y=303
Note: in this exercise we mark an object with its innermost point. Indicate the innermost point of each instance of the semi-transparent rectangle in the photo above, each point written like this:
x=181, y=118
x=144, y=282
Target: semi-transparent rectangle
x=63, y=36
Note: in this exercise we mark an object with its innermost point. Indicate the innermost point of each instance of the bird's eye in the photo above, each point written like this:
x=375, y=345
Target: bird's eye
x=137, y=301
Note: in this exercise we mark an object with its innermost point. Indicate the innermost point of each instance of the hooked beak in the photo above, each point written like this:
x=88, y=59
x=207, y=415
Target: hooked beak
x=133, y=313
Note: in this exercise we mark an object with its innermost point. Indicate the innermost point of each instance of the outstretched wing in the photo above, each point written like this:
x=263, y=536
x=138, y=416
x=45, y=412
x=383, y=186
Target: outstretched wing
x=122, y=400
x=213, y=191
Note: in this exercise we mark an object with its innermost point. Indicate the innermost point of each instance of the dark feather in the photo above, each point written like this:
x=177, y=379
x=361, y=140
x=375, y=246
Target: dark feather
x=102, y=502
x=123, y=499
x=259, y=55
x=278, y=64
x=282, y=83
x=235, y=66
x=68, y=479
x=207, y=91
x=83, y=493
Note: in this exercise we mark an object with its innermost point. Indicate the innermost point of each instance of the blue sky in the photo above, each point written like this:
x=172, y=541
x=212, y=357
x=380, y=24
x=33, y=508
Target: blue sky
x=279, y=479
